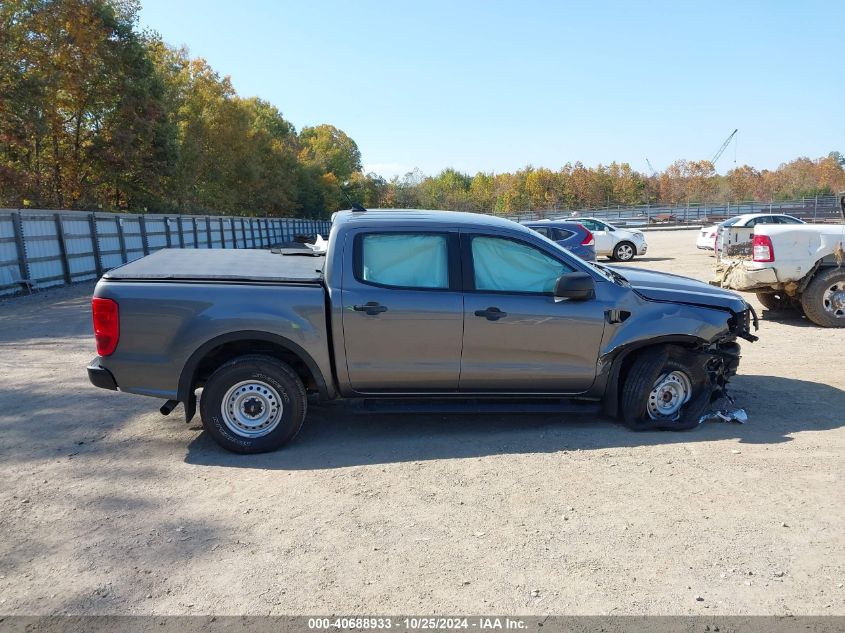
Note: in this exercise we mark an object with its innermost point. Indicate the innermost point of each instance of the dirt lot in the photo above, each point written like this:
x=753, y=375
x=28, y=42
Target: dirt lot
x=107, y=507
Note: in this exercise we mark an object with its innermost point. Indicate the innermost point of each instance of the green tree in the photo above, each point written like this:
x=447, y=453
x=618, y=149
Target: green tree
x=330, y=150
x=81, y=120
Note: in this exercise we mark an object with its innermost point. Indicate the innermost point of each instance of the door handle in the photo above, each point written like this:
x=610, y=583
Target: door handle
x=371, y=307
x=491, y=314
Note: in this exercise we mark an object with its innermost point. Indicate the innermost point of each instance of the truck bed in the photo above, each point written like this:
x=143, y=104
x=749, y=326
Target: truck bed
x=177, y=264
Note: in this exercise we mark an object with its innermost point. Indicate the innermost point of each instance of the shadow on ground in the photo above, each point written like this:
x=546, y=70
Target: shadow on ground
x=60, y=313
x=793, y=318
x=335, y=437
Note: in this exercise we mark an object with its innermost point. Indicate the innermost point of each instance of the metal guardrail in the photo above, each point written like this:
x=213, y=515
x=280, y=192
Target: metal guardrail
x=815, y=209
x=39, y=249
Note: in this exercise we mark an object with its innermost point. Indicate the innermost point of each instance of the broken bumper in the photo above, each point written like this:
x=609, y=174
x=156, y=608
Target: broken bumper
x=738, y=275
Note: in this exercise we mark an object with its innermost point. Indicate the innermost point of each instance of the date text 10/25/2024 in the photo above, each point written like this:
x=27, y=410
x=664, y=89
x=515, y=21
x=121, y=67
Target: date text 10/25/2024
x=484, y=623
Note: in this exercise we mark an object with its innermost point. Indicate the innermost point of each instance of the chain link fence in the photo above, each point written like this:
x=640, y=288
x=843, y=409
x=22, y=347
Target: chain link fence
x=39, y=249
x=815, y=209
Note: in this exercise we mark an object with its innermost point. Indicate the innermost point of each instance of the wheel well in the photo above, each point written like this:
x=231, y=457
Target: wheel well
x=622, y=366
x=228, y=351
x=631, y=356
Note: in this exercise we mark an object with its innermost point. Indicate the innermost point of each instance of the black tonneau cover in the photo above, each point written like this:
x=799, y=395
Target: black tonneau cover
x=178, y=264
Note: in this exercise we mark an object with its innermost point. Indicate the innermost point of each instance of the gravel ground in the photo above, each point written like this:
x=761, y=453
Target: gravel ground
x=107, y=507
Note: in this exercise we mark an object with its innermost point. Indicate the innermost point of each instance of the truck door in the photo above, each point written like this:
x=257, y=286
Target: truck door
x=517, y=336
x=402, y=311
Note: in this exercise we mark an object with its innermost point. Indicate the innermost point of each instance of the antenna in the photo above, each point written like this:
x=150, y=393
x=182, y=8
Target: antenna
x=357, y=208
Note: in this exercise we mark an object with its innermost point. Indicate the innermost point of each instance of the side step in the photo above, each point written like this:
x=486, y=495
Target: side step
x=474, y=406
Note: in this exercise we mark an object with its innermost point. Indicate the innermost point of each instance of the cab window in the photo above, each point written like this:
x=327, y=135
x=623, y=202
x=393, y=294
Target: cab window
x=403, y=260
x=503, y=265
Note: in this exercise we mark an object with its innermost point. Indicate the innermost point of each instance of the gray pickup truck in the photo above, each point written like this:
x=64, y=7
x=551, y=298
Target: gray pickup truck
x=433, y=309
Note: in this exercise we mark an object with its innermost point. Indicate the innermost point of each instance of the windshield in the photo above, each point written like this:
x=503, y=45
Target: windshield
x=731, y=221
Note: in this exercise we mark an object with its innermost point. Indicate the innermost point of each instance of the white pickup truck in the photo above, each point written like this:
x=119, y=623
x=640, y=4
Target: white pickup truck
x=797, y=265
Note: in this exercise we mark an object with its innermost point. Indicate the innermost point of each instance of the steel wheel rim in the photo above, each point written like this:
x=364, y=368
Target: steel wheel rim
x=834, y=300
x=670, y=392
x=625, y=252
x=252, y=408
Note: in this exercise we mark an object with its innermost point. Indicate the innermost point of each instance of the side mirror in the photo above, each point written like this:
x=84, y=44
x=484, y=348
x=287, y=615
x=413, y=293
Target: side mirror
x=575, y=286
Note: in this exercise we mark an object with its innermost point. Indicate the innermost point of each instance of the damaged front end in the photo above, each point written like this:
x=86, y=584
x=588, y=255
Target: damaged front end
x=709, y=365
x=723, y=363
x=724, y=353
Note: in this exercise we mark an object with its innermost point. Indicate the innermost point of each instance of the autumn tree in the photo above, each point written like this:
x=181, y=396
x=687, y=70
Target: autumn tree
x=81, y=114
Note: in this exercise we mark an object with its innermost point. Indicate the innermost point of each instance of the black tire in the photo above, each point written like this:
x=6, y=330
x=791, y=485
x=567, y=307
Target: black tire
x=262, y=370
x=813, y=299
x=649, y=366
x=621, y=252
x=777, y=301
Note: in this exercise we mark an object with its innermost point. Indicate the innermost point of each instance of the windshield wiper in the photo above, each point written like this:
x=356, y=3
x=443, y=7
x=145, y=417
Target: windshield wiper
x=616, y=276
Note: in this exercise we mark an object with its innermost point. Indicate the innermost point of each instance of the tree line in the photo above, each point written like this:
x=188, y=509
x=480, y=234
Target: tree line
x=575, y=186
x=95, y=114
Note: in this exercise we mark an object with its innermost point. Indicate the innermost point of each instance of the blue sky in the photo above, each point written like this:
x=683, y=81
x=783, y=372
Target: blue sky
x=494, y=86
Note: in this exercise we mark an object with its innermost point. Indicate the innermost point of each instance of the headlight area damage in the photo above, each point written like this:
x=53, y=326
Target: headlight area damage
x=730, y=352
x=675, y=385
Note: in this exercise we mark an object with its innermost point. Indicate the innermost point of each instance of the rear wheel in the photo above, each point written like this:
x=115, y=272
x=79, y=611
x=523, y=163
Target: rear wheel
x=824, y=298
x=624, y=251
x=666, y=388
x=253, y=404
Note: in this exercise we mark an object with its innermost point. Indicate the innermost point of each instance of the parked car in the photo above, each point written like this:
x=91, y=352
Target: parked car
x=439, y=306
x=574, y=237
x=707, y=236
x=619, y=244
x=792, y=265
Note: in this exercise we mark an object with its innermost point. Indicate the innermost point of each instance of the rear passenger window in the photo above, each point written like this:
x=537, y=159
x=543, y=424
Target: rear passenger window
x=403, y=260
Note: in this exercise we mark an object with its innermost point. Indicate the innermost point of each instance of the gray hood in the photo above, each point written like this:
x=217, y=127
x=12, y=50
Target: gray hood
x=667, y=287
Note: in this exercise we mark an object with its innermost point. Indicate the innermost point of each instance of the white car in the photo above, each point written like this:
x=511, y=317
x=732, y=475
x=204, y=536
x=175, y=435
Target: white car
x=707, y=236
x=619, y=244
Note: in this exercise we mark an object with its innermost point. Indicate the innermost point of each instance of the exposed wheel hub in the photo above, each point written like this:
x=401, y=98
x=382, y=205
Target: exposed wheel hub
x=669, y=394
x=834, y=300
x=251, y=408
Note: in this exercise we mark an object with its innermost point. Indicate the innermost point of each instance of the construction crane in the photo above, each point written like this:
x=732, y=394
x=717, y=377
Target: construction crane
x=650, y=168
x=724, y=147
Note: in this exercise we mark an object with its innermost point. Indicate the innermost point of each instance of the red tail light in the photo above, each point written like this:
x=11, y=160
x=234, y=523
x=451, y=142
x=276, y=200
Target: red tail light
x=106, y=325
x=588, y=238
x=762, y=248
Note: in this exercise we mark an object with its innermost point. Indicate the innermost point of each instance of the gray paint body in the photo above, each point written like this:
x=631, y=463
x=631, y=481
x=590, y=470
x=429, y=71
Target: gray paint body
x=427, y=342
